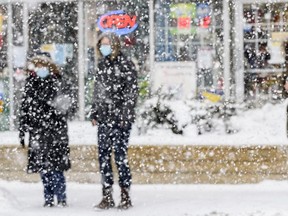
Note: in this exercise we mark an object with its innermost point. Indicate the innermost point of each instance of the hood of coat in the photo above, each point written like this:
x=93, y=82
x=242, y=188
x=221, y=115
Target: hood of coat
x=45, y=60
x=114, y=42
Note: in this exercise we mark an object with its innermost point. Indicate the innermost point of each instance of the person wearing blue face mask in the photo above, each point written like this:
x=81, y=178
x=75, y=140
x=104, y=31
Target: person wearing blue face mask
x=113, y=111
x=42, y=72
x=48, y=149
x=105, y=49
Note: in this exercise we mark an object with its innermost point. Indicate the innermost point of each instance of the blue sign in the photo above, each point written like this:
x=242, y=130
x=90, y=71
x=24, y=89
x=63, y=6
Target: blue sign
x=203, y=10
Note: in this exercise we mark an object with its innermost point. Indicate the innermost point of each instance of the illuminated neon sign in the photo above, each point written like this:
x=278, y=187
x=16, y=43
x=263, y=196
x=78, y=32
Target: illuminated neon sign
x=118, y=22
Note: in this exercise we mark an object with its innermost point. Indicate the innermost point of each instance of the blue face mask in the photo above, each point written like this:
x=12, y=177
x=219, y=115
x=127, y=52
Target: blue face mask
x=42, y=72
x=105, y=50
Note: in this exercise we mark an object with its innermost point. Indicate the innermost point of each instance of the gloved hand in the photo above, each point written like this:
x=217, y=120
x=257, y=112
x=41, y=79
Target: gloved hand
x=62, y=103
x=94, y=122
x=125, y=124
x=22, y=138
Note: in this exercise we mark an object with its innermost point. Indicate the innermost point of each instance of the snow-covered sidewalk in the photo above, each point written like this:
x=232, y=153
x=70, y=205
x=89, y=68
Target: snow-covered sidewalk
x=268, y=198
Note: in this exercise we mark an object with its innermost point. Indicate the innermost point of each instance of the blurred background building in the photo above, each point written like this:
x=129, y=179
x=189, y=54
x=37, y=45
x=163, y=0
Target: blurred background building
x=236, y=48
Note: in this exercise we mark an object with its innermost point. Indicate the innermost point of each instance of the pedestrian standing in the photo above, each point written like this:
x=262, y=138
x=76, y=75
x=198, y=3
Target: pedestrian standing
x=113, y=111
x=43, y=115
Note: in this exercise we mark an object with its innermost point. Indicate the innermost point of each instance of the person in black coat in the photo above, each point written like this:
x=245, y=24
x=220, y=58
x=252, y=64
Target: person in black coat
x=113, y=110
x=43, y=115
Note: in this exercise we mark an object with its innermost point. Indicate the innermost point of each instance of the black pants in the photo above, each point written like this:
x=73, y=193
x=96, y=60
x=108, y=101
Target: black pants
x=54, y=184
x=114, y=137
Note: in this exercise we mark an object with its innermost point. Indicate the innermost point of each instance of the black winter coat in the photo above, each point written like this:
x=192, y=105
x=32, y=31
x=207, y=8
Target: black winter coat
x=115, y=91
x=48, y=148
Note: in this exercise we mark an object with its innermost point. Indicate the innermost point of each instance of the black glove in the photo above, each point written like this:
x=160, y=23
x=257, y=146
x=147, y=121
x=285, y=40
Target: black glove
x=125, y=124
x=22, y=138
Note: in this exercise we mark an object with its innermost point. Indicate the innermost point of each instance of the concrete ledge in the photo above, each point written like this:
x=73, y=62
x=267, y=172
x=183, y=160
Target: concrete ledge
x=166, y=164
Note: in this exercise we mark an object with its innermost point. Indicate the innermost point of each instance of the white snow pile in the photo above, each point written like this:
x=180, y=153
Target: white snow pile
x=262, y=126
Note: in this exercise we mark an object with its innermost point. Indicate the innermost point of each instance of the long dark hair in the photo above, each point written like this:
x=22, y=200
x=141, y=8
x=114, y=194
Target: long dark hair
x=114, y=41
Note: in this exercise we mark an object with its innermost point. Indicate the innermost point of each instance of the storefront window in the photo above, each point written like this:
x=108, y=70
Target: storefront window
x=4, y=79
x=265, y=36
x=135, y=44
x=182, y=28
x=35, y=26
x=53, y=29
x=191, y=32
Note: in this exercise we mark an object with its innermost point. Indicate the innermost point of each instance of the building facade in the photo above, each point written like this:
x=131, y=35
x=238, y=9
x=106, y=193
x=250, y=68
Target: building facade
x=235, y=48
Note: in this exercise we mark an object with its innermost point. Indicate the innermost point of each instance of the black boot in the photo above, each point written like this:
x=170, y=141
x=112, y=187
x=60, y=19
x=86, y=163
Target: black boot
x=125, y=202
x=107, y=200
x=62, y=204
x=48, y=204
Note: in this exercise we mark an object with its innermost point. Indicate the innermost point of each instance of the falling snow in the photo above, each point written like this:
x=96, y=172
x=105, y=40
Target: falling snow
x=209, y=73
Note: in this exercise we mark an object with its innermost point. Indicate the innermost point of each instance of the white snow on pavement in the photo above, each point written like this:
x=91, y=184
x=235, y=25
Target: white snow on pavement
x=268, y=198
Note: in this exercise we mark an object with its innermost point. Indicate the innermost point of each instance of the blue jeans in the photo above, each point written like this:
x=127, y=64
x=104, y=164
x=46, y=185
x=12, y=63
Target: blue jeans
x=114, y=136
x=54, y=184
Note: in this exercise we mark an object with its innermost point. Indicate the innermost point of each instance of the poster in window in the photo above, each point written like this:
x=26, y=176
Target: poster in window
x=275, y=46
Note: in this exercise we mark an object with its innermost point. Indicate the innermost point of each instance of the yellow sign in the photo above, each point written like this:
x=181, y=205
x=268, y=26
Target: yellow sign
x=211, y=96
x=276, y=47
x=278, y=38
x=48, y=48
x=1, y=106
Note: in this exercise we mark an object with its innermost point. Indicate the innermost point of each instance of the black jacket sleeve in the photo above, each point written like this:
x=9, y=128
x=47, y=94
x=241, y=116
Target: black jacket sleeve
x=95, y=100
x=24, y=109
x=130, y=91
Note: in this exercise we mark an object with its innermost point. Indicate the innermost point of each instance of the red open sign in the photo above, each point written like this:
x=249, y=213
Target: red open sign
x=118, y=22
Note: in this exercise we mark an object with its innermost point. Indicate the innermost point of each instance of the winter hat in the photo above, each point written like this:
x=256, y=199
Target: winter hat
x=42, y=57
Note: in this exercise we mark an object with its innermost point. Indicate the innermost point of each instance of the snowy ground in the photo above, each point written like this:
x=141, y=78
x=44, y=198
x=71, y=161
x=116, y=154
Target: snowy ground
x=264, y=199
x=265, y=126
